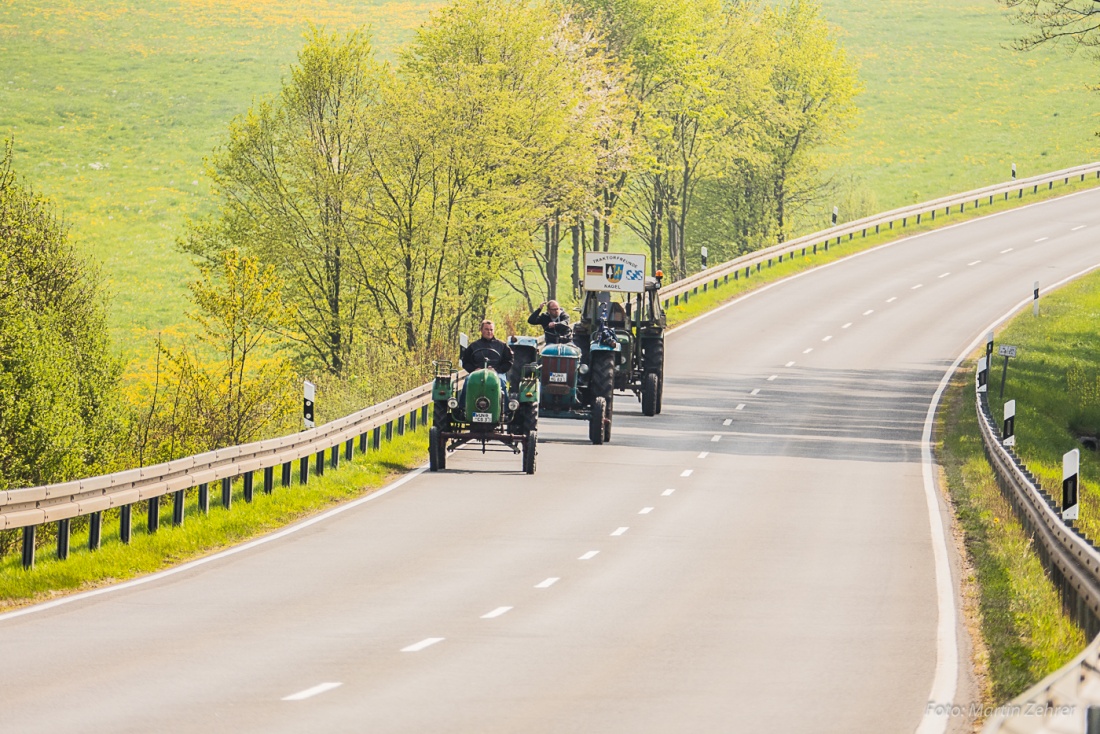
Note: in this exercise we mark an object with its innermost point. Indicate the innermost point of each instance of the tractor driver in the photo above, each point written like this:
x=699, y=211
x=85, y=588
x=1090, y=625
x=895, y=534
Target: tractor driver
x=488, y=352
x=555, y=322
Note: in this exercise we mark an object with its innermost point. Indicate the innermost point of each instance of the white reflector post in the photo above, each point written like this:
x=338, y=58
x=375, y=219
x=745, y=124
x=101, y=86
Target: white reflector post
x=1070, y=464
x=1008, y=436
x=1035, y=300
x=308, y=392
x=983, y=374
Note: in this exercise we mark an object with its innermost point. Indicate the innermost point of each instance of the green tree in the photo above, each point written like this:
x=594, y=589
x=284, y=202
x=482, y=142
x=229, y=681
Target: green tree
x=59, y=409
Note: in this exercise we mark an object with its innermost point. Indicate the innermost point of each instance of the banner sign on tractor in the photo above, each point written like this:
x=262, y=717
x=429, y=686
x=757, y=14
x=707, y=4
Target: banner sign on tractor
x=612, y=271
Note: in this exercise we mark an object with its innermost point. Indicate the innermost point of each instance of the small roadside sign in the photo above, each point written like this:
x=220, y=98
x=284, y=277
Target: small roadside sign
x=1006, y=351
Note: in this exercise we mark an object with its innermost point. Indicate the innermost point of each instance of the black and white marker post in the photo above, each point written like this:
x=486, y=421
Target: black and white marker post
x=1035, y=300
x=1008, y=435
x=1013, y=171
x=989, y=348
x=1071, y=462
x=308, y=393
x=835, y=213
x=983, y=374
x=703, y=253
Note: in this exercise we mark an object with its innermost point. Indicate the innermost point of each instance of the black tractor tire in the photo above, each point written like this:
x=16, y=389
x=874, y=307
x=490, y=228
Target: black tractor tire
x=596, y=421
x=650, y=387
x=530, y=443
x=602, y=379
x=441, y=415
x=660, y=393
x=435, y=449
x=654, y=358
x=528, y=421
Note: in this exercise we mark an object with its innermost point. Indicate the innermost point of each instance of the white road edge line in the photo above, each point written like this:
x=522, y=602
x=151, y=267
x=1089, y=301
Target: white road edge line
x=945, y=680
x=311, y=692
x=428, y=642
x=548, y=582
x=497, y=612
x=217, y=556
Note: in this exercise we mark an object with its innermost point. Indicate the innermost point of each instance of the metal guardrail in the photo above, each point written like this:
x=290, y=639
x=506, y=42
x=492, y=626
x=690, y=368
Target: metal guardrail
x=745, y=265
x=28, y=508
x=1061, y=702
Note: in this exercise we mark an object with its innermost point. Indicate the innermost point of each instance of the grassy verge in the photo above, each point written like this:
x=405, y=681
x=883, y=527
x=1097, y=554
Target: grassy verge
x=1016, y=613
x=1054, y=381
x=201, y=535
x=713, y=297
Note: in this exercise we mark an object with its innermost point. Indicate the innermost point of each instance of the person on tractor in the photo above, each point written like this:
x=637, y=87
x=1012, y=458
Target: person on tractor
x=488, y=352
x=555, y=322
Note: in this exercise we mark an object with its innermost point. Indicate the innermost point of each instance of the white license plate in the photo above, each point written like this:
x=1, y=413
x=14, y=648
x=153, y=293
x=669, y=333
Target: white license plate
x=559, y=377
x=483, y=417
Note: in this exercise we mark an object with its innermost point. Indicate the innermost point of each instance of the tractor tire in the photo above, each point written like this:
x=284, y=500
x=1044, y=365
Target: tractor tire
x=650, y=387
x=435, y=449
x=655, y=364
x=660, y=392
x=596, y=420
x=528, y=418
x=602, y=379
x=607, y=422
x=441, y=415
x=530, y=442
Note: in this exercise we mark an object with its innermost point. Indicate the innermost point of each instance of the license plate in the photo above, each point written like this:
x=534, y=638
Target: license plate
x=483, y=417
x=559, y=377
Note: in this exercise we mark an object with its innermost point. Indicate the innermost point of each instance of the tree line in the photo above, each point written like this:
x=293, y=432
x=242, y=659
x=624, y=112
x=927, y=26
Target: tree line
x=371, y=210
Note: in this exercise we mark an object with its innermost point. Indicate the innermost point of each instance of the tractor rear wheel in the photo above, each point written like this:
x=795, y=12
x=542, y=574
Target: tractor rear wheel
x=595, y=421
x=650, y=387
x=530, y=443
x=435, y=449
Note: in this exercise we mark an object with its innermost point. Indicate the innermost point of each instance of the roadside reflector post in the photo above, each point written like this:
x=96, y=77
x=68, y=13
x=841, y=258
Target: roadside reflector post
x=1008, y=434
x=983, y=374
x=308, y=394
x=835, y=212
x=1013, y=171
x=989, y=348
x=1071, y=463
x=1035, y=300
x=703, y=254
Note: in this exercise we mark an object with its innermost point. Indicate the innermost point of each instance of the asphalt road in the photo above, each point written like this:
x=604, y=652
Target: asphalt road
x=758, y=558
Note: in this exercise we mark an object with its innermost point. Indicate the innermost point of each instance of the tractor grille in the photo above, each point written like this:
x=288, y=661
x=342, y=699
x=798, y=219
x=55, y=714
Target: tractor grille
x=558, y=366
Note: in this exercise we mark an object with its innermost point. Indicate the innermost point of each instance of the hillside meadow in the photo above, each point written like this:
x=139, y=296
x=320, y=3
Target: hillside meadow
x=113, y=105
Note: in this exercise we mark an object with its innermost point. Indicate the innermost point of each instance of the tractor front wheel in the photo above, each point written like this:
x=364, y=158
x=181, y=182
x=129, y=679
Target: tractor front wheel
x=595, y=421
x=436, y=450
x=530, y=442
x=650, y=387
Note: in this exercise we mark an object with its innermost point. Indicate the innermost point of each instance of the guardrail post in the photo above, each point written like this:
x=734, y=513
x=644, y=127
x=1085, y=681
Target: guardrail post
x=319, y=463
x=400, y=425
x=287, y=469
x=918, y=219
x=363, y=443
x=95, y=531
x=28, y=546
x=204, y=498
x=334, y=456
x=62, y=539
x=389, y=431
x=177, y=508
x=153, y=515
x=303, y=470
x=269, y=479
x=349, y=447
x=412, y=421
x=125, y=523
x=248, y=486
x=376, y=438
x=424, y=411
x=227, y=492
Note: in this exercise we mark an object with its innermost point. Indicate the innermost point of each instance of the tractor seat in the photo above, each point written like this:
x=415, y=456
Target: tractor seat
x=616, y=317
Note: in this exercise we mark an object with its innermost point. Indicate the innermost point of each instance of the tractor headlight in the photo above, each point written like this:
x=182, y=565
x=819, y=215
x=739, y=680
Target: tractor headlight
x=482, y=403
x=513, y=404
x=452, y=403
x=583, y=369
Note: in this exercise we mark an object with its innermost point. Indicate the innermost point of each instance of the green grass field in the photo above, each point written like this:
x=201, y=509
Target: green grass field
x=114, y=103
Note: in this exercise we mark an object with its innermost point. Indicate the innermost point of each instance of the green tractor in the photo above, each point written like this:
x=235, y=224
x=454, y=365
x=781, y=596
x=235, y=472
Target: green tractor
x=638, y=322
x=483, y=413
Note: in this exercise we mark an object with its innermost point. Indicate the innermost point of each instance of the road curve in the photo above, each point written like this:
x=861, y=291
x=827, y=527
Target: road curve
x=757, y=558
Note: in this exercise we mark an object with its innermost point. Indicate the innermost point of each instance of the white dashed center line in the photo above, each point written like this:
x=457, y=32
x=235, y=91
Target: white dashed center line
x=868, y=312
x=970, y=265
x=846, y=325
x=727, y=421
x=1005, y=252
x=716, y=438
x=423, y=644
x=772, y=378
x=618, y=532
x=548, y=582
x=789, y=364
x=1079, y=226
x=1041, y=239
x=944, y=275
x=827, y=338
x=667, y=492
x=891, y=299
x=807, y=351
x=756, y=391
x=588, y=556
x=686, y=472
x=496, y=612
x=918, y=285
x=311, y=692
x=703, y=454
x=645, y=510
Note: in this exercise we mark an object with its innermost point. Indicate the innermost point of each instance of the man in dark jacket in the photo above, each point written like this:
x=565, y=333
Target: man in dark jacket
x=487, y=351
x=555, y=322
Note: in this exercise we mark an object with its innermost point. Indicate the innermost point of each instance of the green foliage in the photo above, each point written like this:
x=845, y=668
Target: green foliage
x=58, y=400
